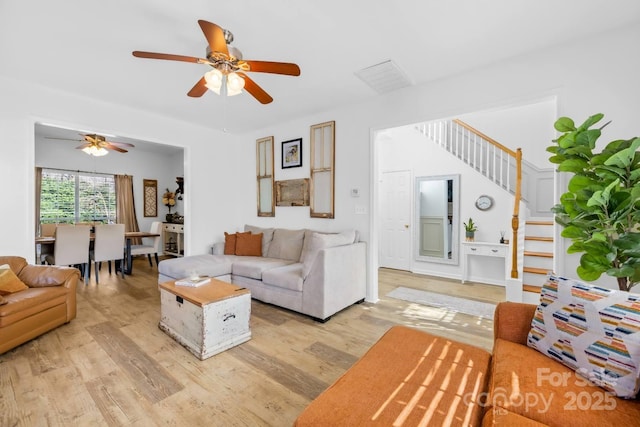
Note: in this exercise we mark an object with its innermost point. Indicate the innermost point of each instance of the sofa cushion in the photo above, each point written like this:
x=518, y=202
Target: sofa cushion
x=594, y=331
x=286, y=244
x=9, y=282
x=248, y=244
x=407, y=378
x=535, y=386
x=230, y=241
x=196, y=265
x=267, y=236
x=253, y=267
x=287, y=277
x=321, y=241
x=29, y=302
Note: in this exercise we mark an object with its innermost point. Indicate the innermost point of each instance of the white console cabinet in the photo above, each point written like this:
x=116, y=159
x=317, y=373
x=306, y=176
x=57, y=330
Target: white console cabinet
x=484, y=249
x=173, y=239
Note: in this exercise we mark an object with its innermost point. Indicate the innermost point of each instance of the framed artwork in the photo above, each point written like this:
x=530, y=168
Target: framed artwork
x=150, y=187
x=292, y=192
x=292, y=153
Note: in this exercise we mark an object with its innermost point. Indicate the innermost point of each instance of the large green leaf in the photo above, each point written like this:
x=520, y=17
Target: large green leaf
x=557, y=159
x=592, y=120
x=624, y=158
x=588, y=138
x=574, y=165
x=580, y=182
x=610, y=172
x=579, y=151
x=595, y=262
x=564, y=124
x=567, y=140
x=587, y=274
x=573, y=232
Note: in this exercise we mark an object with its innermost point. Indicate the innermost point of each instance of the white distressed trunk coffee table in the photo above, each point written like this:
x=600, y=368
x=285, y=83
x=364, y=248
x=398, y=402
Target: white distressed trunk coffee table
x=208, y=319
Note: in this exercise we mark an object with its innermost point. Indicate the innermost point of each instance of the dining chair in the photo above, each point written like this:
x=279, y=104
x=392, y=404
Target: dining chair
x=150, y=249
x=71, y=248
x=108, y=246
x=46, y=230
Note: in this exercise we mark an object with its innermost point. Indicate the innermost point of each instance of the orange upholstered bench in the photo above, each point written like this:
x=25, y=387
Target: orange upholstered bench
x=407, y=378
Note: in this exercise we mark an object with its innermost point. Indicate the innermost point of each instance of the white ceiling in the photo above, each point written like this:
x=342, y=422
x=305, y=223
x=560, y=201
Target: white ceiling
x=84, y=47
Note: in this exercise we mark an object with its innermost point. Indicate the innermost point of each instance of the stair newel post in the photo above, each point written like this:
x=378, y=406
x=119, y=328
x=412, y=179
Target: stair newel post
x=515, y=221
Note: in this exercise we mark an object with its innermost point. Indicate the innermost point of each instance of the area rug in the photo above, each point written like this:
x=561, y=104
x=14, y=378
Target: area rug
x=460, y=305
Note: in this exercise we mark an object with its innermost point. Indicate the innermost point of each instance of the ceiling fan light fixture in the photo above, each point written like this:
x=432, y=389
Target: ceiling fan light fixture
x=92, y=150
x=215, y=79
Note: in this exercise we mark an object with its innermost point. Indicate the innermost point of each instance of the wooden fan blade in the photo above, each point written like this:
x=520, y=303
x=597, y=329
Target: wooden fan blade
x=286, y=68
x=255, y=90
x=114, y=148
x=80, y=147
x=199, y=89
x=167, y=56
x=121, y=144
x=62, y=139
x=215, y=36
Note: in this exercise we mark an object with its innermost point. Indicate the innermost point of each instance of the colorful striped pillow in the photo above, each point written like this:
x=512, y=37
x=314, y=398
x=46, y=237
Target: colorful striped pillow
x=594, y=331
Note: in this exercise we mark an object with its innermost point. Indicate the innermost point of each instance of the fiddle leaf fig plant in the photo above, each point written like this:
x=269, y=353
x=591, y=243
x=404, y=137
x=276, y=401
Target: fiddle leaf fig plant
x=600, y=212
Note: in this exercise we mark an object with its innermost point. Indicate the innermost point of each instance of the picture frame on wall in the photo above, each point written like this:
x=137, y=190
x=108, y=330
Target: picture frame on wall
x=150, y=197
x=292, y=153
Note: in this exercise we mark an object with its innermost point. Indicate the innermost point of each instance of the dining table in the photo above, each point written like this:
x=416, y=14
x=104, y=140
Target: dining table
x=128, y=235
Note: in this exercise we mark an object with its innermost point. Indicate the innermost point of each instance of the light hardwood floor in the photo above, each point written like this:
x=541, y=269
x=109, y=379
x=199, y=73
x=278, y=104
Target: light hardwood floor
x=112, y=366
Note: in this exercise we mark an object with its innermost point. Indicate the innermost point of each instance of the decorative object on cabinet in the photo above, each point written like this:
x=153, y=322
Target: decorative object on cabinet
x=292, y=153
x=292, y=192
x=484, y=202
x=264, y=176
x=322, y=170
x=173, y=238
x=502, y=233
x=470, y=229
x=169, y=200
x=150, y=187
x=180, y=189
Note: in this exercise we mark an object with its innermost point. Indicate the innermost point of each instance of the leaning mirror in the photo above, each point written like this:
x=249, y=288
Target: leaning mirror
x=437, y=218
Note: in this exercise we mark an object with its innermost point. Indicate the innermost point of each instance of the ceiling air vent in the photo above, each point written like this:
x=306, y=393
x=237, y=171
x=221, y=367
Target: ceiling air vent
x=384, y=77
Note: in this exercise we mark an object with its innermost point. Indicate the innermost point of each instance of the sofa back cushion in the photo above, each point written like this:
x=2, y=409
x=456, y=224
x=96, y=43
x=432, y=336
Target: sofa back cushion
x=308, y=234
x=267, y=236
x=286, y=244
x=321, y=241
x=594, y=331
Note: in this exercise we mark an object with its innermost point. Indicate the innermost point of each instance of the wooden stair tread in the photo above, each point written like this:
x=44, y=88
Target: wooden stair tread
x=532, y=288
x=538, y=254
x=539, y=238
x=535, y=270
x=539, y=222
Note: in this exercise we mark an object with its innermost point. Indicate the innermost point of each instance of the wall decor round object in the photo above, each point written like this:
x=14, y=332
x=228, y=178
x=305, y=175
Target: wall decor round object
x=484, y=202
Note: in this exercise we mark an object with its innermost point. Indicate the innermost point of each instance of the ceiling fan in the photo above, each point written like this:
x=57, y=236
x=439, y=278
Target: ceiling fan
x=227, y=76
x=97, y=145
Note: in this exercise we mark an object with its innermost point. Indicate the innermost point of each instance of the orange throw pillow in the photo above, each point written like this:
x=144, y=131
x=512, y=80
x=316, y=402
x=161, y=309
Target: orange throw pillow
x=9, y=282
x=248, y=244
x=230, y=242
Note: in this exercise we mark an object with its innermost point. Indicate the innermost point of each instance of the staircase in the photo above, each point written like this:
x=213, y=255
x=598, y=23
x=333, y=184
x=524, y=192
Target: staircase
x=538, y=257
x=503, y=166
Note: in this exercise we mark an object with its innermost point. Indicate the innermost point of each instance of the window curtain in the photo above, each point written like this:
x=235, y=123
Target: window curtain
x=38, y=195
x=125, y=205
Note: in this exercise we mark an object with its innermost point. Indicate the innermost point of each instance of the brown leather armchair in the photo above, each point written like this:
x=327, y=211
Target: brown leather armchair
x=49, y=302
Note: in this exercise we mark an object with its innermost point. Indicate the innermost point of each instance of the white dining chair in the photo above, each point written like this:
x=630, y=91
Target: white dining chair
x=108, y=246
x=71, y=248
x=154, y=245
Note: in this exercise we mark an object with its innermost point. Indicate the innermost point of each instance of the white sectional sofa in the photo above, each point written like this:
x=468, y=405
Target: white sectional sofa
x=314, y=273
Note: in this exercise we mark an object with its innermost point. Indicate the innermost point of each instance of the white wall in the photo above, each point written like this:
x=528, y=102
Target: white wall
x=406, y=148
x=147, y=164
x=589, y=76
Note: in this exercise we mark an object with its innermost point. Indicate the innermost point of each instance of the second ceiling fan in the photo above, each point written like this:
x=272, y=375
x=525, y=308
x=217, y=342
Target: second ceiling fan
x=227, y=76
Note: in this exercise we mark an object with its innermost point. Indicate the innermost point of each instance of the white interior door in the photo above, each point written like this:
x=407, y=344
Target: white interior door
x=395, y=215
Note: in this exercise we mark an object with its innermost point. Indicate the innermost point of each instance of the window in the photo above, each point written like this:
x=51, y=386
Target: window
x=71, y=197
